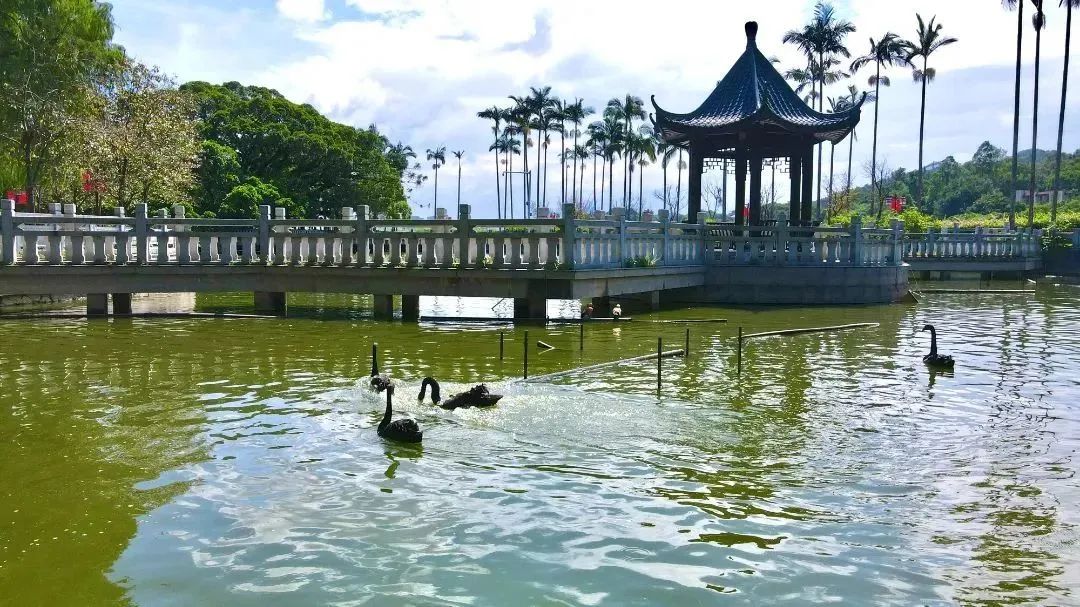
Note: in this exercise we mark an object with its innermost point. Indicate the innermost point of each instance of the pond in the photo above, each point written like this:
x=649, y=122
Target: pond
x=184, y=461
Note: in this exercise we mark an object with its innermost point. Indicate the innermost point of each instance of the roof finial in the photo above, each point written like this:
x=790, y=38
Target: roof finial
x=751, y=33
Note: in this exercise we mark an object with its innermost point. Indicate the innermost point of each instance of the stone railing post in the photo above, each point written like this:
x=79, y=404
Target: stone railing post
x=618, y=215
x=464, y=236
x=979, y=244
x=705, y=248
x=162, y=238
x=346, y=240
x=856, y=241
x=75, y=250
x=7, y=231
x=897, y=242
x=569, y=234
x=665, y=221
x=360, y=234
x=183, y=244
x=141, y=233
x=278, y=254
x=264, y=234
x=123, y=245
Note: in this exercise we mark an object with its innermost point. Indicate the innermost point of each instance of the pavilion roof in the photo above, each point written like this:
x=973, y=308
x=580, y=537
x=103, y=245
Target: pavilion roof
x=754, y=96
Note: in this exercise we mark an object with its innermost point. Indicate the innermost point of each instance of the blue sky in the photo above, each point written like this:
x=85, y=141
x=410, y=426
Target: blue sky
x=421, y=69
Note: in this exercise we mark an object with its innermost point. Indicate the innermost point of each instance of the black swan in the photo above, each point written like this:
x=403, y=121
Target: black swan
x=933, y=358
x=402, y=430
x=476, y=396
x=378, y=382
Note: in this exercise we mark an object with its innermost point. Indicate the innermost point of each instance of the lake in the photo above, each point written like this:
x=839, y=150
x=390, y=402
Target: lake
x=214, y=461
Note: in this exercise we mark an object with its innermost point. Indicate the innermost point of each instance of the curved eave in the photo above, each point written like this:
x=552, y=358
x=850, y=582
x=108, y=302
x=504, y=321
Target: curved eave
x=674, y=130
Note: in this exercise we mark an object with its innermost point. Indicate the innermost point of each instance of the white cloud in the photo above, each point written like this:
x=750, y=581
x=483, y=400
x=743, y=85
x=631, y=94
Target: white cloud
x=308, y=11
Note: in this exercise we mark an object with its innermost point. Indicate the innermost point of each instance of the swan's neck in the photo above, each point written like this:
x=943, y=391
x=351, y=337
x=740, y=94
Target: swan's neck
x=933, y=342
x=388, y=414
x=374, y=363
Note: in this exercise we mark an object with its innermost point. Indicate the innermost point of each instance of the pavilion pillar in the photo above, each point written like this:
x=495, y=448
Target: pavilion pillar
x=806, y=215
x=755, y=188
x=740, y=185
x=794, y=172
x=697, y=166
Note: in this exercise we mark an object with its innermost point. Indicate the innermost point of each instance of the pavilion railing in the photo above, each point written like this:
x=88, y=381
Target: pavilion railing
x=980, y=244
x=354, y=240
x=806, y=246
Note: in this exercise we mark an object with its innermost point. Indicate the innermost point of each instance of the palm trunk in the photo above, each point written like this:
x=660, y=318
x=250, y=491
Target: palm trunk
x=922, y=124
x=611, y=182
x=678, y=184
x=542, y=136
x=510, y=181
x=562, y=173
x=1016, y=114
x=594, y=182
x=1034, y=129
x=640, y=189
x=498, y=192
x=875, y=198
x=525, y=175
x=1061, y=115
x=581, y=182
x=545, y=168
x=821, y=146
x=665, y=190
x=850, y=147
x=832, y=160
x=576, y=197
x=459, y=182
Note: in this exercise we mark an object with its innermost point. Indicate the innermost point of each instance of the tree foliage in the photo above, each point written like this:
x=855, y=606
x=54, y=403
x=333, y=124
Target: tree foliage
x=319, y=164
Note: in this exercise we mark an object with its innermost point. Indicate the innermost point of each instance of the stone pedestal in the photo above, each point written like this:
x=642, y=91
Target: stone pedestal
x=530, y=308
x=121, y=303
x=384, y=307
x=97, y=304
x=410, y=307
x=271, y=302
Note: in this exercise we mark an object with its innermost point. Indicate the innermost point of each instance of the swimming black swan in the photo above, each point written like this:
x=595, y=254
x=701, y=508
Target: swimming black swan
x=476, y=396
x=402, y=430
x=378, y=382
x=933, y=358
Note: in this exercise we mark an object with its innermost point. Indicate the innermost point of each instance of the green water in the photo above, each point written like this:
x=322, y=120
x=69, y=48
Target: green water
x=235, y=461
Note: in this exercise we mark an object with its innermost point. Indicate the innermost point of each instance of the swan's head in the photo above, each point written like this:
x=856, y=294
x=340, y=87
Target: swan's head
x=389, y=389
x=928, y=328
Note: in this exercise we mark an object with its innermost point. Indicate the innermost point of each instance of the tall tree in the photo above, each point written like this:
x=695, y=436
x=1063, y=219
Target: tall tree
x=558, y=122
x=437, y=157
x=458, y=154
x=575, y=114
x=626, y=110
x=51, y=51
x=678, y=184
x=887, y=50
x=538, y=104
x=928, y=39
x=496, y=116
x=821, y=40
x=1019, y=5
x=1069, y=5
x=666, y=151
x=1038, y=20
x=521, y=117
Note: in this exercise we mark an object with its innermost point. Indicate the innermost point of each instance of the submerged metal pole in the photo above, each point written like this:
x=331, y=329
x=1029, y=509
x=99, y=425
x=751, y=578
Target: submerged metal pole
x=581, y=337
x=659, y=362
x=526, y=357
x=738, y=357
x=374, y=359
x=502, y=336
x=686, y=346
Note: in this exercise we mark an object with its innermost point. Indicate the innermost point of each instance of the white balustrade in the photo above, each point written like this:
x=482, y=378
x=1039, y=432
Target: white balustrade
x=981, y=244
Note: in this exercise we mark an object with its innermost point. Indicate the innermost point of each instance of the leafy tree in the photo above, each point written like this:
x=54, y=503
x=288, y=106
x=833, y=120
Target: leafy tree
x=399, y=210
x=50, y=52
x=218, y=173
x=243, y=201
x=437, y=158
x=319, y=164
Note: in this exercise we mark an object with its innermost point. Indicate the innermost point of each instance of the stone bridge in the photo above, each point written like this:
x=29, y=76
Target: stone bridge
x=529, y=261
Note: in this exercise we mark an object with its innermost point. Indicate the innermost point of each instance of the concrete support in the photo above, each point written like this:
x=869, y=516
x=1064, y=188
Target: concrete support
x=601, y=306
x=97, y=304
x=697, y=165
x=755, y=189
x=795, y=173
x=410, y=307
x=530, y=308
x=121, y=303
x=806, y=215
x=271, y=302
x=648, y=301
x=384, y=307
x=740, y=185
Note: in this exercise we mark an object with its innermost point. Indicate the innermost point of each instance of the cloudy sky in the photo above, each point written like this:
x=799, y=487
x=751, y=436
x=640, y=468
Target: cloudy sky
x=421, y=69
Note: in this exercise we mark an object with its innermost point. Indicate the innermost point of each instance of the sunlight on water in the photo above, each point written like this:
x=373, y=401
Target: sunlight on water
x=235, y=461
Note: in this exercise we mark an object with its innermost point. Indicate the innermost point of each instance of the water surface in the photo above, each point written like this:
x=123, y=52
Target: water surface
x=235, y=461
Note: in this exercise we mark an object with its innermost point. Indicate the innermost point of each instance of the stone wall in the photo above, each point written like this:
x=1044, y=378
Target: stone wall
x=22, y=301
x=798, y=285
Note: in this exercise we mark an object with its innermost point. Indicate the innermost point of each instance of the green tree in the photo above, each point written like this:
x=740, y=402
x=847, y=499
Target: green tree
x=495, y=115
x=1019, y=5
x=458, y=154
x=218, y=173
x=51, y=51
x=437, y=157
x=928, y=39
x=625, y=110
x=243, y=201
x=887, y=50
x=1069, y=5
x=575, y=114
x=1038, y=21
x=399, y=209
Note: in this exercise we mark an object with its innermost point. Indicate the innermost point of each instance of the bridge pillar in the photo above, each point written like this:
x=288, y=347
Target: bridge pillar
x=384, y=307
x=121, y=303
x=530, y=308
x=97, y=304
x=410, y=307
x=271, y=302
x=601, y=307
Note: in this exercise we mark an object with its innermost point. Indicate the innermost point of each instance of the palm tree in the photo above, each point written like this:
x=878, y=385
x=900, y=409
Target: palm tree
x=887, y=50
x=509, y=146
x=496, y=115
x=927, y=40
x=582, y=153
x=1038, y=20
x=642, y=152
x=609, y=135
x=835, y=105
x=538, y=104
x=521, y=117
x=1069, y=5
x=575, y=113
x=678, y=185
x=821, y=39
x=666, y=151
x=596, y=145
x=1017, y=4
x=438, y=158
x=626, y=110
x=458, y=154
x=558, y=122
